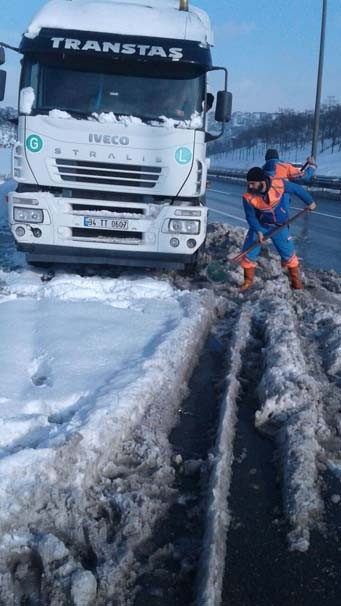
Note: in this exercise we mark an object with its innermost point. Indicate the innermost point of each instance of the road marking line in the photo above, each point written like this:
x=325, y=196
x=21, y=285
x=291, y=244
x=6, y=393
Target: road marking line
x=315, y=212
x=219, y=191
x=219, y=212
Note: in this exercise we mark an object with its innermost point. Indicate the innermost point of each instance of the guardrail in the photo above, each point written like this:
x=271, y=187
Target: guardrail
x=319, y=182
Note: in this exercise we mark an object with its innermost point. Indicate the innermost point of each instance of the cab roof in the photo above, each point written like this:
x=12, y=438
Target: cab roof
x=156, y=18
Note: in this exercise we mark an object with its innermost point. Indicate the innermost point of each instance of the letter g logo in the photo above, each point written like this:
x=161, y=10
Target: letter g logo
x=34, y=143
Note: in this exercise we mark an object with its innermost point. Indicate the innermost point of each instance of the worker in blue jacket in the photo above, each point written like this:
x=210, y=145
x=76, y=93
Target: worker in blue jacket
x=274, y=167
x=266, y=206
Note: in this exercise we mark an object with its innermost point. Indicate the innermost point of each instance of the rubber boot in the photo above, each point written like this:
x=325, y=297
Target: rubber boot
x=249, y=274
x=294, y=274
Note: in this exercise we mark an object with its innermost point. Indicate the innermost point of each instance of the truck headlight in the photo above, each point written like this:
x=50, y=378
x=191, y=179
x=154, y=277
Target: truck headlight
x=177, y=226
x=28, y=215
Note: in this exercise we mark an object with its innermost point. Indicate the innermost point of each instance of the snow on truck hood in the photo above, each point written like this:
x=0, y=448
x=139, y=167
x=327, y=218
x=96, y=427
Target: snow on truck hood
x=129, y=17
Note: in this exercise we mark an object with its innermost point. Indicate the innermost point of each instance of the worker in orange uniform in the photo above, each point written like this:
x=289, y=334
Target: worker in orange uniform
x=274, y=167
x=266, y=206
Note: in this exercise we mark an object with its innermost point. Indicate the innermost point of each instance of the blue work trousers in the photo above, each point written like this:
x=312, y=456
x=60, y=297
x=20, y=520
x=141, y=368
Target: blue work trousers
x=282, y=241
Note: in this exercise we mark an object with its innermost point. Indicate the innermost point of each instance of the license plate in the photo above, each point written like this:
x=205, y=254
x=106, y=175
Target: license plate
x=106, y=223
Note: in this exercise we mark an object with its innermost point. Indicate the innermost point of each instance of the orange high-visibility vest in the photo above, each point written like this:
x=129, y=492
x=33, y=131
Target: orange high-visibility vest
x=274, y=196
x=285, y=170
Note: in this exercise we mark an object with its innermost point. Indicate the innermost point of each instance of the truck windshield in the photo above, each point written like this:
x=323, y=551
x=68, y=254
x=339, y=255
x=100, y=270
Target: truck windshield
x=141, y=94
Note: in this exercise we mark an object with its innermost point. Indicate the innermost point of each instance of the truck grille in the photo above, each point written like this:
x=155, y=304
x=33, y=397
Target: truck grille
x=88, y=209
x=106, y=235
x=102, y=173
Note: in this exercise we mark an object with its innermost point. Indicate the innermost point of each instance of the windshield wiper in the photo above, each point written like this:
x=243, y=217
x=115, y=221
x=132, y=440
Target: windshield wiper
x=81, y=114
x=151, y=119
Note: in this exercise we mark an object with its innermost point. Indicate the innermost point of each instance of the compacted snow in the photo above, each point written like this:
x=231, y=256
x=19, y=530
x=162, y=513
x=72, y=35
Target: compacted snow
x=92, y=370
x=287, y=347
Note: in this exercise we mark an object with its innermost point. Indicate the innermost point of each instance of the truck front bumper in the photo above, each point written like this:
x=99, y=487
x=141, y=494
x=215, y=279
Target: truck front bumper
x=42, y=253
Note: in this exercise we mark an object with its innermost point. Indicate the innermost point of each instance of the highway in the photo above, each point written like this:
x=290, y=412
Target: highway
x=317, y=235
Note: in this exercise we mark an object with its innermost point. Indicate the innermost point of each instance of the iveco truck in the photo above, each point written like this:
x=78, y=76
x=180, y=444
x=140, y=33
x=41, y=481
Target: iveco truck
x=110, y=161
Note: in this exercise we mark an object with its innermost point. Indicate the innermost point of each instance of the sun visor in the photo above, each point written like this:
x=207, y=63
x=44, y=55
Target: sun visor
x=116, y=47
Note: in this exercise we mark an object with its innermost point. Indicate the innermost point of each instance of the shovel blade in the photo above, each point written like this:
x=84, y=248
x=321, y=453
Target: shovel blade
x=216, y=272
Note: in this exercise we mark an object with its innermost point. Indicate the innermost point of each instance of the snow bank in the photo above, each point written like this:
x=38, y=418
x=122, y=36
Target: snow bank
x=92, y=374
x=289, y=411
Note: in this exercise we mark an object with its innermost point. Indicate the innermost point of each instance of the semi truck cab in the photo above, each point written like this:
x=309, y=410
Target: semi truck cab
x=110, y=161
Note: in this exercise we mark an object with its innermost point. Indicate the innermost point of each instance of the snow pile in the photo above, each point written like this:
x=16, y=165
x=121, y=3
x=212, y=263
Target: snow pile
x=111, y=118
x=92, y=374
x=132, y=18
x=289, y=396
x=27, y=98
x=122, y=294
x=299, y=393
x=61, y=115
x=196, y=120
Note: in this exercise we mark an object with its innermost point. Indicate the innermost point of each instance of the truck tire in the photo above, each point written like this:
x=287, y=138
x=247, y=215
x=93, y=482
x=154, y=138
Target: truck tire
x=191, y=268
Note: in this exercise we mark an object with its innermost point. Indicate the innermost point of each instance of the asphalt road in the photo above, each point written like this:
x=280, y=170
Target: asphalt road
x=317, y=235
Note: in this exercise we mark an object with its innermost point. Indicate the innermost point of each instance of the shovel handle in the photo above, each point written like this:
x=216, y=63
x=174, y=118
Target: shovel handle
x=268, y=236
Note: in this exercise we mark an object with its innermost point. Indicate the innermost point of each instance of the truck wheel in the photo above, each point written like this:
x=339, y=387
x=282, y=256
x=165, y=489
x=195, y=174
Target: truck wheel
x=191, y=268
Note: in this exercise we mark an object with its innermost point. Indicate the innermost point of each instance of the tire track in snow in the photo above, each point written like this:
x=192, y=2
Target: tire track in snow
x=213, y=563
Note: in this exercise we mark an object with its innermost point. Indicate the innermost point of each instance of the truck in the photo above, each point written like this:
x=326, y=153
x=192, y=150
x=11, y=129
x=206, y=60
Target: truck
x=110, y=161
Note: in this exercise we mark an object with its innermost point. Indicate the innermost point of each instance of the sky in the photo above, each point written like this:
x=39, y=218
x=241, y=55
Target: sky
x=270, y=49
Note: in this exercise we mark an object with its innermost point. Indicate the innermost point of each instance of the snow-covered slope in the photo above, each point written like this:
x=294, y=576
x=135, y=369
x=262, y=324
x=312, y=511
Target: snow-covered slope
x=328, y=163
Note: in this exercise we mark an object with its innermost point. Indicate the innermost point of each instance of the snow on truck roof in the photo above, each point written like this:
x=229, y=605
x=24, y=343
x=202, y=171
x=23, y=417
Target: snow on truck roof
x=157, y=18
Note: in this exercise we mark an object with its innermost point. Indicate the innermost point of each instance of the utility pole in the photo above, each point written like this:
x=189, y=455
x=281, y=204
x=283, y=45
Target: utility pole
x=319, y=82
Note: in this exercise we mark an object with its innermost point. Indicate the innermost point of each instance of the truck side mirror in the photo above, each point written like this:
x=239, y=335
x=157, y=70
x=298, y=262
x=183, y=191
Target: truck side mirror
x=3, y=75
x=2, y=55
x=224, y=106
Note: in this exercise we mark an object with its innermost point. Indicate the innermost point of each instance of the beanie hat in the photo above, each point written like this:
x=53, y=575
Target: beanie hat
x=256, y=174
x=271, y=154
